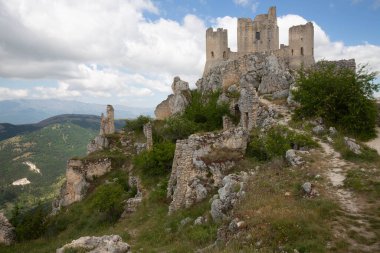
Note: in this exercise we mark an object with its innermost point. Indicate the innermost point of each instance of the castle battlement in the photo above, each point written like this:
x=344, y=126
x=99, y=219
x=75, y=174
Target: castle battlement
x=261, y=35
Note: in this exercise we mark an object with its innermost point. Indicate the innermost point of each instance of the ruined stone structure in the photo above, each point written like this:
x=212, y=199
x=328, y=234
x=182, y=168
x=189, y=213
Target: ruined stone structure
x=200, y=163
x=175, y=103
x=261, y=36
x=107, y=124
x=350, y=64
x=147, y=129
x=79, y=174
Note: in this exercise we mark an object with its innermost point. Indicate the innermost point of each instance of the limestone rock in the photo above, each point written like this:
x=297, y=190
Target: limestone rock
x=307, y=187
x=7, y=231
x=231, y=191
x=79, y=174
x=318, y=130
x=352, y=145
x=107, y=124
x=292, y=156
x=333, y=131
x=93, y=244
x=175, y=103
x=263, y=72
x=200, y=163
x=200, y=220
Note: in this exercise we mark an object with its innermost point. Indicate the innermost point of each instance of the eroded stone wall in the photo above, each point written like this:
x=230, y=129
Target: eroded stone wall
x=79, y=175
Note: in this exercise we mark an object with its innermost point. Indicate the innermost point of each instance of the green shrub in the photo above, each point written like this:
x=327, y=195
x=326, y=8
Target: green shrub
x=275, y=142
x=137, y=124
x=29, y=224
x=340, y=96
x=205, y=111
x=179, y=128
x=107, y=199
x=156, y=162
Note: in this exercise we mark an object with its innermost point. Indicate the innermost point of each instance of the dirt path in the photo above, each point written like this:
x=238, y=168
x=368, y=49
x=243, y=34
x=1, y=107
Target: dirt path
x=353, y=220
x=375, y=143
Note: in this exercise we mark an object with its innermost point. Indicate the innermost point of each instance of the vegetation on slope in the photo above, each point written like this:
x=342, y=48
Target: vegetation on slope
x=49, y=149
x=340, y=96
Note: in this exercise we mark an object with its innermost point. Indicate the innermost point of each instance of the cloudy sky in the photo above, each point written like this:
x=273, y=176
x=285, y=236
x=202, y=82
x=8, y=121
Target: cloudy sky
x=128, y=51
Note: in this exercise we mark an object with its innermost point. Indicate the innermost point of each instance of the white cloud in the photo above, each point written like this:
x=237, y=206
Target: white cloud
x=6, y=93
x=63, y=40
x=242, y=2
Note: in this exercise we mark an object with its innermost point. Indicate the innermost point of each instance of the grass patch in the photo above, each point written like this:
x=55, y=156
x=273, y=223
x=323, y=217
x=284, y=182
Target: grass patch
x=364, y=181
x=275, y=221
x=367, y=154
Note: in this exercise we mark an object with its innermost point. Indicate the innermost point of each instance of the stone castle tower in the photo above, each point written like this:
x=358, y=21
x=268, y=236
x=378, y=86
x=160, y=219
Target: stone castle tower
x=261, y=35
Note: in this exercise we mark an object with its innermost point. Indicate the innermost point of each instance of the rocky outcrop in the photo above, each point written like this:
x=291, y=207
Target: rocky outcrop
x=200, y=163
x=92, y=244
x=263, y=72
x=228, y=195
x=7, y=231
x=79, y=174
x=175, y=103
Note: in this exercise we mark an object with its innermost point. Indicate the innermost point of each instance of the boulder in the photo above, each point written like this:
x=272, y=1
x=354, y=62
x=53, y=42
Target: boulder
x=292, y=156
x=93, y=244
x=352, y=145
x=333, y=131
x=318, y=130
x=7, y=231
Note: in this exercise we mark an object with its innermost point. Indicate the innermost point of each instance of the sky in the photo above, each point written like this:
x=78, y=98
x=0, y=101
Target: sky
x=128, y=51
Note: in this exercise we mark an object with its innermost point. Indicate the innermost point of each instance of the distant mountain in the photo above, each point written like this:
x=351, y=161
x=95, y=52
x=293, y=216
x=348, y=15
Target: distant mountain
x=26, y=111
x=40, y=158
x=86, y=121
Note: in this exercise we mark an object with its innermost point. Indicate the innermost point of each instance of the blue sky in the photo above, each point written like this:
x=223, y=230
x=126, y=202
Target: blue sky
x=128, y=51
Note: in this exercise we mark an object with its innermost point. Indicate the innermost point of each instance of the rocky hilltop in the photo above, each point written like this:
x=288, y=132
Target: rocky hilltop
x=226, y=167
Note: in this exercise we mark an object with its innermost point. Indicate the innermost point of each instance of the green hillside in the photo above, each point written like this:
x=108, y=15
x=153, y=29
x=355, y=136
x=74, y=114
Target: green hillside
x=48, y=149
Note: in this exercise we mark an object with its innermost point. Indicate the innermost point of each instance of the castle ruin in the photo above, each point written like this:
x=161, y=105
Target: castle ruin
x=261, y=35
x=107, y=124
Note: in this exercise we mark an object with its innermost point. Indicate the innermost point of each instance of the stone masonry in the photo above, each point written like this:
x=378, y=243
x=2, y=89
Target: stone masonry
x=147, y=129
x=200, y=163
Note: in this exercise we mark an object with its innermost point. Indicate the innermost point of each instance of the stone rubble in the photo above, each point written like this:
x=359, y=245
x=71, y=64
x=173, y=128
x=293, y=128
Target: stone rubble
x=294, y=158
x=93, y=244
x=228, y=195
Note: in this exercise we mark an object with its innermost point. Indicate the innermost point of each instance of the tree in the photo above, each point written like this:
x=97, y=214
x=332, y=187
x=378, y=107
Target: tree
x=340, y=96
